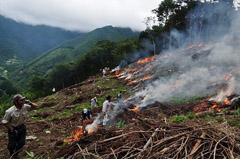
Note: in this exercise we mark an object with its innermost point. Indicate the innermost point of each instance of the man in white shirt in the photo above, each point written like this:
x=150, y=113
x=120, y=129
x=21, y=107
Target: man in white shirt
x=14, y=120
x=94, y=102
x=106, y=109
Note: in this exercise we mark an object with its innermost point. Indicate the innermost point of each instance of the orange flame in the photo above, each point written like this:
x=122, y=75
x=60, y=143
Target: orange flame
x=176, y=84
x=127, y=99
x=190, y=47
x=226, y=78
x=148, y=59
x=161, y=57
x=75, y=135
x=93, y=129
x=118, y=75
x=132, y=82
x=137, y=108
x=146, y=77
x=201, y=44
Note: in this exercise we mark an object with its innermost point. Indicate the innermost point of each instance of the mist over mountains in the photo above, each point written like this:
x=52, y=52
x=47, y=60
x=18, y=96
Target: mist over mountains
x=26, y=41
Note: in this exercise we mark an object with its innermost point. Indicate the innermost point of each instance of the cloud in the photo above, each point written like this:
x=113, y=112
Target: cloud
x=80, y=15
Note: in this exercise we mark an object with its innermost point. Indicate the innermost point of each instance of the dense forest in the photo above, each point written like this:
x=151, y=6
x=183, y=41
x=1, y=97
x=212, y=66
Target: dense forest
x=193, y=19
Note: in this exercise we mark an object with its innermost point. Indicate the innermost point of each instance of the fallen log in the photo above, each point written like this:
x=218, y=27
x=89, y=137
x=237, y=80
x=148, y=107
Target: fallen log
x=196, y=146
x=148, y=142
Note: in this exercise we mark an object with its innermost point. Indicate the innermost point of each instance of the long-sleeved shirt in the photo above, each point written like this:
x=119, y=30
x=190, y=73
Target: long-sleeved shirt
x=106, y=105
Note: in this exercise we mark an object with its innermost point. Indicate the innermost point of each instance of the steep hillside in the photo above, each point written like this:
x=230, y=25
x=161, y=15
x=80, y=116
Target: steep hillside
x=75, y=48
x=70, y=50
x=157, y=130
x=26, y=41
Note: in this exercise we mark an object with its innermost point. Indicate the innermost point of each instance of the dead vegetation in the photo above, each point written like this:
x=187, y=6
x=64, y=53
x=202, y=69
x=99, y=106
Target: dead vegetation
x=156, y=138
x=148, y=133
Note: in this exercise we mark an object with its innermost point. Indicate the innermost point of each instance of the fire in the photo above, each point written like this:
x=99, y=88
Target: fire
x=136, y=108
x=148, y=59
x=75, y=135
x=176, y=84
x=127, y=99
x=118, y=75
x=201, y=44
x=93, y=129
x=161, y=57
x=190, y=47
x=132, y=82
x=146, y=77
x=226, y=78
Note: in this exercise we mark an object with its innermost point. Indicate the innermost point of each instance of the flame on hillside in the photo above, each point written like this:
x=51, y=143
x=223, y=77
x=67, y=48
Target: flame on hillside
x=227, y=78
x=146, y=77
x=136, y=108
x=76, y=135
x=201, y=44
x=222, y=98
x=190, y=47
x=148, y=59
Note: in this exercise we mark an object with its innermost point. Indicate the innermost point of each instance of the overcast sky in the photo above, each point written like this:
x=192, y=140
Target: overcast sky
x=80, y=15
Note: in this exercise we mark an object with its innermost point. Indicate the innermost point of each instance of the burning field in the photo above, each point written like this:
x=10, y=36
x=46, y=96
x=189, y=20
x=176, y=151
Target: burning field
x=181, y=103
x=151, y=136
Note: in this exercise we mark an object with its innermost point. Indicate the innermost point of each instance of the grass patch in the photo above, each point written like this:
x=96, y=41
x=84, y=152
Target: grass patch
x=121, y=124
x=176, y=119
x=191, y=115
x=179, y=100
x=207, y=116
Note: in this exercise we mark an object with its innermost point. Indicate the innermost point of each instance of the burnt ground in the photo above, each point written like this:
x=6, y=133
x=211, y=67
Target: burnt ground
x=59, y=114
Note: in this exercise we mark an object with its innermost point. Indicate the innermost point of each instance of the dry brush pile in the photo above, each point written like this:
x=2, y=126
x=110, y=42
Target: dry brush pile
x=156, y=138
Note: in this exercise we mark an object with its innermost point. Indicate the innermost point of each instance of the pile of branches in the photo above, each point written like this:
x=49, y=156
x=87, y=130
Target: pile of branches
x=157, y=139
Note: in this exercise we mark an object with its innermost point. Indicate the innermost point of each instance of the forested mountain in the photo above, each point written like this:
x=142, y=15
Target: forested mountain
x=26, y=41
x=71, y=50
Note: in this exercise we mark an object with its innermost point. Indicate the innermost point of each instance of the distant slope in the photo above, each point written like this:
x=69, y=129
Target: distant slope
x=26, y=41
x=75, y=48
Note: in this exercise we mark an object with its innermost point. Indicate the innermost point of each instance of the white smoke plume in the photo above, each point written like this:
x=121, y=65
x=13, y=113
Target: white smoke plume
x=195, y=72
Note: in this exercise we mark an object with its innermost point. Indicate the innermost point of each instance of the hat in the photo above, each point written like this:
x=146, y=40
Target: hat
x=85, y=110
x=18, y=97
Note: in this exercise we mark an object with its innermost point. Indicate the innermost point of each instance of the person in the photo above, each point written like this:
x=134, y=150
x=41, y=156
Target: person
x=94, y=102
x=105, y=109
x=104, y=71
x=119, y=96
x=14, y=121
x=86, y=114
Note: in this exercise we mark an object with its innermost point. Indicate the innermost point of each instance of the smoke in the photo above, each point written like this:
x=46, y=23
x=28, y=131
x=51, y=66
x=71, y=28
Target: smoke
x=195, y=70
x=114, y=110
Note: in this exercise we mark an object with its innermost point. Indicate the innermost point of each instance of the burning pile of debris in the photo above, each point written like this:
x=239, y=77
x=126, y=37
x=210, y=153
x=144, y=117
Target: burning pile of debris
x=231, y=102
x=156, y=138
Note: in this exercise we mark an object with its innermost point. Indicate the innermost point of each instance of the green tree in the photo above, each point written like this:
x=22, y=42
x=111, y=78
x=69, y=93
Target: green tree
x=39, y=87
x=60, y=76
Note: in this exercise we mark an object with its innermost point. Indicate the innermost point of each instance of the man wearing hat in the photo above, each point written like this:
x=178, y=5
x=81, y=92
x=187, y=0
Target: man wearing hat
x=13, y=120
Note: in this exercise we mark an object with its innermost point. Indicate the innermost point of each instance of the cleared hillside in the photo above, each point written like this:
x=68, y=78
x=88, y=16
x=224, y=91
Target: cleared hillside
x=157, y=130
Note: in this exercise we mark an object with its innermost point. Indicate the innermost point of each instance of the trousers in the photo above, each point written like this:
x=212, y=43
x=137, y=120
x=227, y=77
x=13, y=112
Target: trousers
x=16, y=141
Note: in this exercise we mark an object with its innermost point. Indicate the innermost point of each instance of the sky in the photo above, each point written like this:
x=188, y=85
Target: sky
x=80, y=15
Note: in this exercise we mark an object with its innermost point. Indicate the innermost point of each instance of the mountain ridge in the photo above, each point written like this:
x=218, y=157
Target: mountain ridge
x=26, y=41
x=72, y=50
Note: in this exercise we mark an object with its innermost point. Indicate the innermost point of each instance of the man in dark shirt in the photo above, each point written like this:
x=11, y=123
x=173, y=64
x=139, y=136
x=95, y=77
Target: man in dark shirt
x=86, y=114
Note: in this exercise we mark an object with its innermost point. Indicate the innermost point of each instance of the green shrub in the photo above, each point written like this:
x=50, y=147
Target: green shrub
x=191, y=115
x=121, y=124
x=177, y=118
x=207, y=117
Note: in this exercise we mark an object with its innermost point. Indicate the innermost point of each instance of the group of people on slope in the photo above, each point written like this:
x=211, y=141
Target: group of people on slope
x=106, y=108
x=15, y=116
